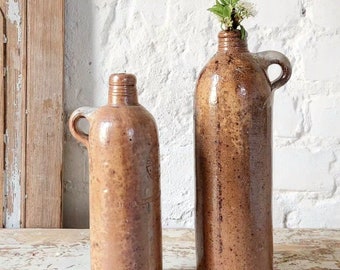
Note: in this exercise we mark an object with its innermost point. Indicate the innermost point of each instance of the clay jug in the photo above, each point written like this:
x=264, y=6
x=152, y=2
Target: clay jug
x=233, y=156
x=125, y=217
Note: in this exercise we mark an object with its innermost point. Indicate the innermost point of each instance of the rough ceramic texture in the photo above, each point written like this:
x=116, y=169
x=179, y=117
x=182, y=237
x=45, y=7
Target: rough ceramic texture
x=125, y=218
x=166, y=43
x=233, y=156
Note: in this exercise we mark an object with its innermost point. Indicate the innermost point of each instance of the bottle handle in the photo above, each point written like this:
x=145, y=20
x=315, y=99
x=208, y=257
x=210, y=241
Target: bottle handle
x=81, y=113
x=272, y=57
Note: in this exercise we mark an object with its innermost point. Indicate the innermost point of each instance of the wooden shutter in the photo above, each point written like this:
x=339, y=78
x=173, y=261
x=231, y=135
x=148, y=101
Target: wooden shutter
x=33, y=120
x=15, y=97
x=45, y=35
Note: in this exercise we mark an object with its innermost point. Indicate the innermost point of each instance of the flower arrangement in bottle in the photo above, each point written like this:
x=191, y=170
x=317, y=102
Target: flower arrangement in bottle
x=232, y=12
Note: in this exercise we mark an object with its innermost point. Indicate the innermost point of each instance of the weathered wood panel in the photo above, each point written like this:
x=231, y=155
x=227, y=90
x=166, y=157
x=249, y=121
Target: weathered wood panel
x=15, y=119
x=2, y=117
x=69, y=249
x=45, y=39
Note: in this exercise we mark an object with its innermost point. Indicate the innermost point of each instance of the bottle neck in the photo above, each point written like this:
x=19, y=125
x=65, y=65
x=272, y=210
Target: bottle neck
x=231, y=42
x=120, y=95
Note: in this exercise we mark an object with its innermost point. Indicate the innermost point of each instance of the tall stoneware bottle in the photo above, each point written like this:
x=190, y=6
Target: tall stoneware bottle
x=233, y=156
x=125, y=217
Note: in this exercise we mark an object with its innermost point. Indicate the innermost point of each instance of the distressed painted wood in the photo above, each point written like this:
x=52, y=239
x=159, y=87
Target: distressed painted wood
x=2, y=116
x=45, y=36
x=15, y=118
x=69, y=249
x=27, y=97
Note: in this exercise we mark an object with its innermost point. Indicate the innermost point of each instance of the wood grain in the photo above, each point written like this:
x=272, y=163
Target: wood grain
x=23, y=81
x=45, y=38
x=15, y=119
x=2, y=117
x=70, y=249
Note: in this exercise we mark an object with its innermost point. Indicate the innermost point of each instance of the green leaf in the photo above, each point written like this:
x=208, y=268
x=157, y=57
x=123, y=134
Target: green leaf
x=243, y=32
x=227, y=11
x=217, y=10
x=231, y=2
x=224, y=2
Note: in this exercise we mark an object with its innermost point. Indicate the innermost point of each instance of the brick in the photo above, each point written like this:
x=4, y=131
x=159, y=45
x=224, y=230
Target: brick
x=305, y=210
x=326, y=13
x=320, y=214
x=292, y=219
x=278, y=211
x=154, y=12
x=178, y=187
x=287, y=120
x=325, y=114
x=277, y=13
x=301, y=170
x=319, y=59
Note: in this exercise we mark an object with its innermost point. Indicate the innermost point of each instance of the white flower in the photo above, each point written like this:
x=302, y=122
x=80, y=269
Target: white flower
x=227, y=22
x=245, y=9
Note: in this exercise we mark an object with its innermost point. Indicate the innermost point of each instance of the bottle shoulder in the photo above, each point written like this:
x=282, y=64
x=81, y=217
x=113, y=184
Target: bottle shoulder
x=240, y=73
x=230, y=62
x=236, y=68
x=124, y=116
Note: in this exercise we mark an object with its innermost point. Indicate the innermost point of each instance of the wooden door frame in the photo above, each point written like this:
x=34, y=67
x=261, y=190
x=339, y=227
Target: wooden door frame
x=33, y=125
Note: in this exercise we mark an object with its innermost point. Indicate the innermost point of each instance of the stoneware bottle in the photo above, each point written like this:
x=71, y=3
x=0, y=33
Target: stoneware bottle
x=125, y=217
x=233, y=156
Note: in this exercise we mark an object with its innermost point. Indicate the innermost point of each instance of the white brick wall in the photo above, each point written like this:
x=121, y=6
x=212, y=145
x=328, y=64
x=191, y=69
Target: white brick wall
x=299, y=169
x=166, y=43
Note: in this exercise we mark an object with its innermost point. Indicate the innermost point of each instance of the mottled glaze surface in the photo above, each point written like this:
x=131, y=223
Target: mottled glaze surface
x=233, y=157
x=125, y=220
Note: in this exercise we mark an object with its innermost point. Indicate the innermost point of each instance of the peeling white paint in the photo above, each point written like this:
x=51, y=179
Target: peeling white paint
x=14, y=16
x=13, y=187
x=19, y=83
x=13, y=165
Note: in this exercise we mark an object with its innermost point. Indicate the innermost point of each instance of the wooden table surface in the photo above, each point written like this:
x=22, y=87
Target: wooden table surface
x=28, y=249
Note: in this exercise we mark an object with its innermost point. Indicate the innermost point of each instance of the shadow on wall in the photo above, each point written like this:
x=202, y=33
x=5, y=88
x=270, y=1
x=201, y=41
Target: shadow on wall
x=79, y=85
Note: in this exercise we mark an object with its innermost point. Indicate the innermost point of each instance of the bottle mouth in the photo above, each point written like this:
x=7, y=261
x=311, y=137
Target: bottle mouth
x=231, y=41
x=122, y=79
x=122, y=90
x=230, y=34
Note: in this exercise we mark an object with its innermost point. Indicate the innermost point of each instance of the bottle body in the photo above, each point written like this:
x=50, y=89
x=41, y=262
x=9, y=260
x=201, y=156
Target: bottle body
x=125, y=216
x=124, y=190
x=233, y=161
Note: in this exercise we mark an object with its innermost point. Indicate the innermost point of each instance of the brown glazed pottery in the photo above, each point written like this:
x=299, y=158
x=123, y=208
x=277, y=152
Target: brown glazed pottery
x=125, y=217
x=233, y=156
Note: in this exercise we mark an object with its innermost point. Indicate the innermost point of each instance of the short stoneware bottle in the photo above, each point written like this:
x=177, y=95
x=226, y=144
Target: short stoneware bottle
x=125, y=216
x=233, y=156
